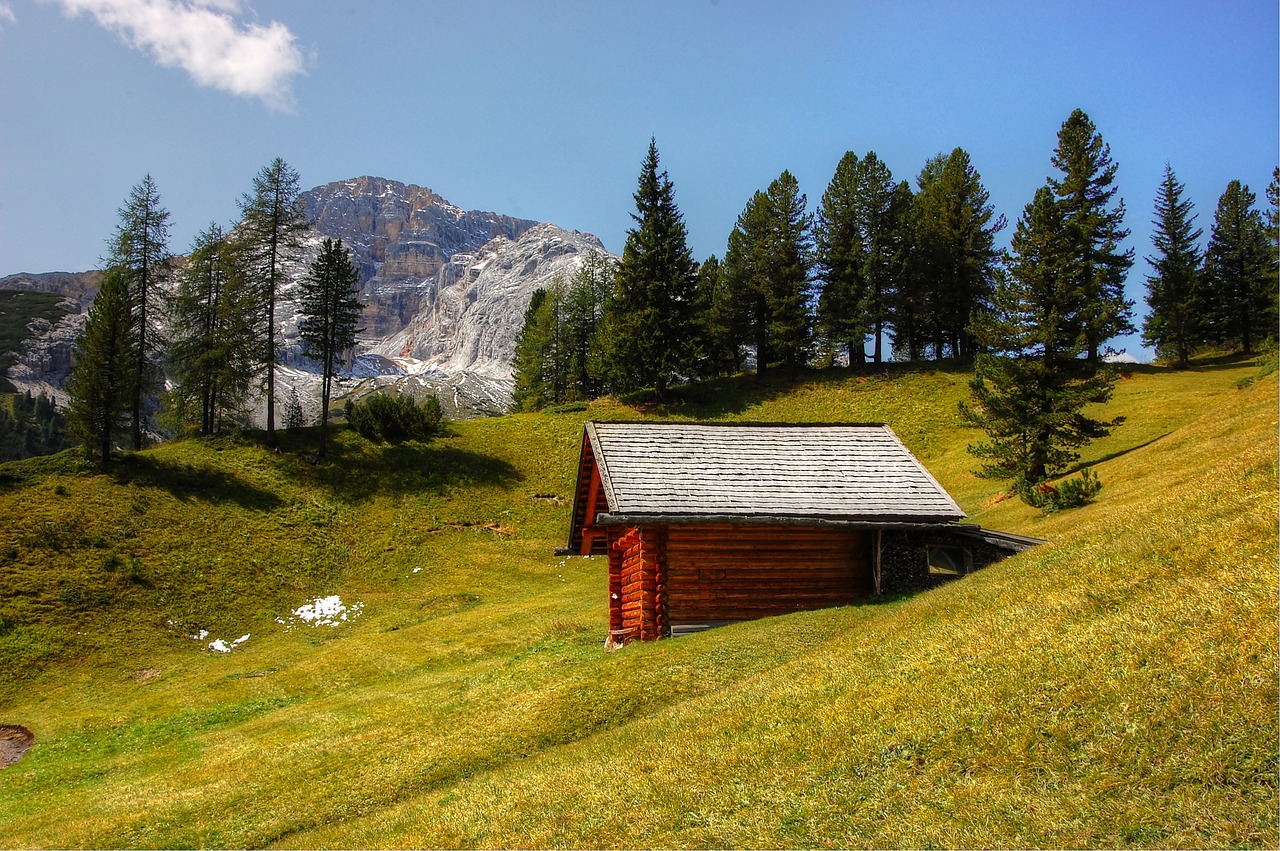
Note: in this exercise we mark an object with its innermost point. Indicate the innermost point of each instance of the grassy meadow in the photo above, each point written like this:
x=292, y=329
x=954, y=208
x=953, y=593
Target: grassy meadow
x=1116, y=687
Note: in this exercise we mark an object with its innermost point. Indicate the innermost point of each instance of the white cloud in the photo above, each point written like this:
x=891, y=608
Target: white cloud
x=6, y=15
x=205, y=39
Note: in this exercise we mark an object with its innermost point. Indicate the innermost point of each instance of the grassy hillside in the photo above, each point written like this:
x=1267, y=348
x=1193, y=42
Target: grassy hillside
x=1116, y=687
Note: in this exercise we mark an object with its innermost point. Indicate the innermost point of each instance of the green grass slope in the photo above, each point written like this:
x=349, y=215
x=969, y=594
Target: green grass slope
x=1115, y=687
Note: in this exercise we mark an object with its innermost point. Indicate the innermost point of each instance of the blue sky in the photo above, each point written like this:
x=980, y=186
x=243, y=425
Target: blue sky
x=544, y=109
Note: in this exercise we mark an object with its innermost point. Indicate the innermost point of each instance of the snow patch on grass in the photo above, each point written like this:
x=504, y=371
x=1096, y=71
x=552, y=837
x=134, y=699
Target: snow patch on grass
x=324, y=611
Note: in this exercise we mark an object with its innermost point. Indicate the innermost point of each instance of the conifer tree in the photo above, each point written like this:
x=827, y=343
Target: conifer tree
x=328, y=313
x=1175, y=325
x=534, y=352
x=1085, y=192
x=213, y=352
x=651, y=326
x=270, y=242
x=908, y=318
x=768, y=266
x=140, y=250
x=1032, y=382
x=721, y=321
x=1239, y=271
x=956, y=227
x=840, y=261
x=583, y=312
x=104, y=374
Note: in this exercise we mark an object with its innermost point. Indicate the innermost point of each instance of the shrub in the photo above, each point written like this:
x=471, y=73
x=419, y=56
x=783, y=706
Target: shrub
x=393, y=418
x=1069, y=493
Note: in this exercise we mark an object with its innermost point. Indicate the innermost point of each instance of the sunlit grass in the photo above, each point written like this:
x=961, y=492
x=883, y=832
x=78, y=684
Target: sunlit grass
x=1115, y=687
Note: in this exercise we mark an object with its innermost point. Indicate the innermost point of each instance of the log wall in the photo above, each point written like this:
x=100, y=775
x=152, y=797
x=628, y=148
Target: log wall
x=637, y=585
x=719, y=573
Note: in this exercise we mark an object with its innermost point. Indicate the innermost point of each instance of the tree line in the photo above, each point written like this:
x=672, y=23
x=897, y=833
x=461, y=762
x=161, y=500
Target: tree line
x=916, y=267
x=208, y=324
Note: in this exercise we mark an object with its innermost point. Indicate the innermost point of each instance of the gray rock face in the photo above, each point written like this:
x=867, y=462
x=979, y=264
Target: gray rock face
x=43, y=364
x=476, y=304
x=400, y=235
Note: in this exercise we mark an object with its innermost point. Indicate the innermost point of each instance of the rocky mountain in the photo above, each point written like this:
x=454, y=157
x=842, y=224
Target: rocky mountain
x=477, y=301
x=445, y=289
x=400, y=235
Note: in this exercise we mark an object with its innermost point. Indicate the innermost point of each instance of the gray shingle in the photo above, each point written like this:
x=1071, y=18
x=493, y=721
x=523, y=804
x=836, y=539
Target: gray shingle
x=853, y=472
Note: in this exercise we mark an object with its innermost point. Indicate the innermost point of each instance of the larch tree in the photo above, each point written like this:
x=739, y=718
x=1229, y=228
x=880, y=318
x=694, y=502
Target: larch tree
x=1033, y=379
x=214, y=345
x=1095, y=224
x=140, y=250
x=269, y=238
x=104, y=373
x=1239, y=272
x=329, y=311
x=650, y=338
x=1175, y=324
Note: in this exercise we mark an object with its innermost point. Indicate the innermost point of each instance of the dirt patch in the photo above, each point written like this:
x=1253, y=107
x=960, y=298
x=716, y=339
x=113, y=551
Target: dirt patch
x=15, y=741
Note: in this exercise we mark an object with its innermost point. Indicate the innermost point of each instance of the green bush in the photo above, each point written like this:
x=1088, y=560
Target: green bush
x=394, y=418
x=1069, y=493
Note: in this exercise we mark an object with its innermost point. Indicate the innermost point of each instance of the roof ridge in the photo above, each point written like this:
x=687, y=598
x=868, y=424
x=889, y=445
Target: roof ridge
x=736, y=423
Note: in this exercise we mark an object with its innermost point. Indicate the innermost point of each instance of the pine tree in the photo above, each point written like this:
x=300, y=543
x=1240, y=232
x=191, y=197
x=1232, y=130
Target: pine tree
x=535, y=354
x=956, y=227
x=1032, y=381
x=651, y=340
x=1239, y=271
x=329, y=311
x=140, y=250
x=1085, y=192
x=908, y=317
x=104, y=374
x=1175, y=325
x=214, y=347
x=840, y=261
x=767, y=267
x=270, y=240
x=720, y=322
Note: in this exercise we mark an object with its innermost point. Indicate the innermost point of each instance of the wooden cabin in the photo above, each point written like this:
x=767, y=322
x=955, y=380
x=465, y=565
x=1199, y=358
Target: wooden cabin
x=709, y=523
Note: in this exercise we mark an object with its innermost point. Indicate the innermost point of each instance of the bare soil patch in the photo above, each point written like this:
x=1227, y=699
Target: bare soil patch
x=15, y=741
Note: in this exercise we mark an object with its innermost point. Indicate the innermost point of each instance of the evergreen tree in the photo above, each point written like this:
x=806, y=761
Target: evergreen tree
x=956, y=227
x=582, y=314
x=908, y=317
x=840, y=262
x=213, y=352
x=534, y=354
x=328, y=313
x=1085, y=192
x=140, y=250
x=651, y=339
x=721, y=322
x=105, y=369
x=1175, y=324
x=768, y=266
x=1033, y=381
x=270, y=238
x=1239, y=271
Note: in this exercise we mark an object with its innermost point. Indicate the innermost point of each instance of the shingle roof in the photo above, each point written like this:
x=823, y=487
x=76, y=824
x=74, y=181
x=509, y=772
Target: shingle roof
x=846, y=472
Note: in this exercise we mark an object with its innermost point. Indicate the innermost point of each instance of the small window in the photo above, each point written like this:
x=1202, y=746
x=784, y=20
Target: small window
x=949, y=561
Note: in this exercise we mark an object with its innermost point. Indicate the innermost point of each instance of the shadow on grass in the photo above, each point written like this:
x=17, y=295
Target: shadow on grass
x=189, y=482
x=719, y=397
x=354, y=473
